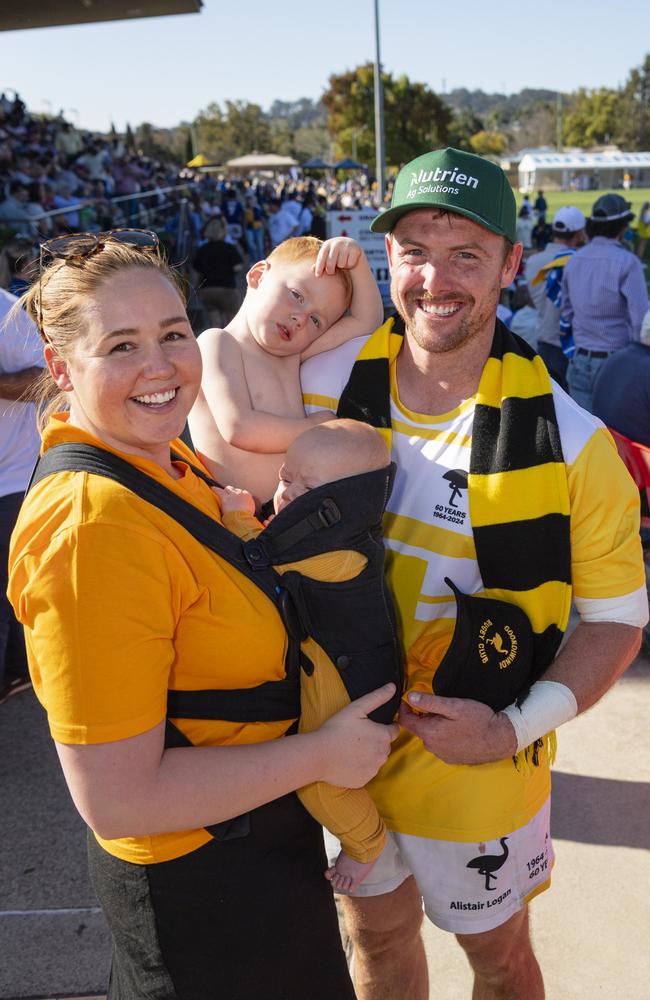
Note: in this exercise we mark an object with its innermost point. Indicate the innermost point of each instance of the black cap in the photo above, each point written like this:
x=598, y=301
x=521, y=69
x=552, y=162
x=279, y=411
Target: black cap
x=490, y=657
x=610, y=208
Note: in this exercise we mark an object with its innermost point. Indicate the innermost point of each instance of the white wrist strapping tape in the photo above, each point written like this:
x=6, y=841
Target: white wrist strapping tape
x=547, y=706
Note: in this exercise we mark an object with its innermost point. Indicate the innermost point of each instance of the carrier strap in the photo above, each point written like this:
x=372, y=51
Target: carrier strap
x=272, y=701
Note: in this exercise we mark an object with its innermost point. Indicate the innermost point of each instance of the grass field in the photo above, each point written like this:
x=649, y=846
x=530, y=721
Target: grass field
x=585, y=199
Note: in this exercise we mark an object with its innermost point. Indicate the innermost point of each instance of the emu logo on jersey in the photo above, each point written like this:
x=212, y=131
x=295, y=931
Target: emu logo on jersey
x=504, y=644
x=457, y=479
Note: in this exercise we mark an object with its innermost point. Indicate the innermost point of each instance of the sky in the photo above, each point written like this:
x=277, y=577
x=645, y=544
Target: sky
x=165, y=70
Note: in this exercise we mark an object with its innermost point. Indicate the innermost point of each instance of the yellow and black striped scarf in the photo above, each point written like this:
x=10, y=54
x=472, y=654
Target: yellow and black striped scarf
x=517, y=482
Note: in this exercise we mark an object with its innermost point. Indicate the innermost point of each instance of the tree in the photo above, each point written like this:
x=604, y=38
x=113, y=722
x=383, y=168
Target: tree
x=534, y=128
x=415, y=119
x=591, y=118
x=189, y=147
x=633, y=125
x=488, y=143
x=239, y=129
x=464, y=125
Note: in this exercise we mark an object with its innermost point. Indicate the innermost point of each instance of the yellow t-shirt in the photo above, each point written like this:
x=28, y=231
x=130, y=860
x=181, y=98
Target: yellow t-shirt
x=428, y=536
x=120, y=603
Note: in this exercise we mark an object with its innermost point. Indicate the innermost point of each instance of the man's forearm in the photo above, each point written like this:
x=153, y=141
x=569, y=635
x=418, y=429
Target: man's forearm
x=463, y=731
x=14, y=384
x=593, y=658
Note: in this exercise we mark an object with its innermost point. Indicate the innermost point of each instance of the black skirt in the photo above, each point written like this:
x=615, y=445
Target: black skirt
x=244, y=919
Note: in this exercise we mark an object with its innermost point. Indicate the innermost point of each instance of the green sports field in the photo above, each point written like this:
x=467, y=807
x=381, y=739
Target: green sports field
x=585, y=199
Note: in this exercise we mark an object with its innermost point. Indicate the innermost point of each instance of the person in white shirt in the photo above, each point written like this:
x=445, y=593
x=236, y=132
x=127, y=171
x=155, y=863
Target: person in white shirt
x=568, y=235
x=21, y=362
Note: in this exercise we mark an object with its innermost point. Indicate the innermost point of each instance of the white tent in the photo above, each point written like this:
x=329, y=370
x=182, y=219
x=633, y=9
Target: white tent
x=262, y=161
x=583, y=171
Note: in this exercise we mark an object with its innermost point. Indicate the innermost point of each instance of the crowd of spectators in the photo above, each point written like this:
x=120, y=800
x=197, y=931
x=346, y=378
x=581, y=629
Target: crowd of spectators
x=56, y=179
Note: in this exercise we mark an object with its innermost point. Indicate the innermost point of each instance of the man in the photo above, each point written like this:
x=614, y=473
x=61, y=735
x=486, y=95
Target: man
x=622, y=389
x=604, y=295
x=21, y=361
x=540, y=206
x=545, y=286
x=506, y=489
x=14, y=213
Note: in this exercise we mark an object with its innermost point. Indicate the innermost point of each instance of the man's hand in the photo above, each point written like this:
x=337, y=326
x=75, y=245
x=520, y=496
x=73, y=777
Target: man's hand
x=459, y=730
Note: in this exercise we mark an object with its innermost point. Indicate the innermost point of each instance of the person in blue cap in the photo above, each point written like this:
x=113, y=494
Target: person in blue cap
x=510, y=502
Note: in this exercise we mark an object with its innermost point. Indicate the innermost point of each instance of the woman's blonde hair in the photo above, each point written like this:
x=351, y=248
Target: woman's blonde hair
x=56, y=303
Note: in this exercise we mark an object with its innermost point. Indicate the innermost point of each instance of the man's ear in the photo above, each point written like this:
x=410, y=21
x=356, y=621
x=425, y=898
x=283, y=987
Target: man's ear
x=389, y=248
x=256, y=272
x=511, y=264
x=58, y=369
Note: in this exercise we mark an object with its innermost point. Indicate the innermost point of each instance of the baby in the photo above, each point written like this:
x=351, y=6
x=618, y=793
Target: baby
x=250, y=409
x=332, y=451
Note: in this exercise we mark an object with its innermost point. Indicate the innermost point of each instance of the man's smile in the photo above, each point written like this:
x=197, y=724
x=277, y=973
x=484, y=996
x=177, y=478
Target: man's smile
x=440, y=309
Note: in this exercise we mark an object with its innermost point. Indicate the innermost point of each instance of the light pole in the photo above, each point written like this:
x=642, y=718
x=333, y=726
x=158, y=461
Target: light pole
x=558, y=122
x=379, y=114
x=355, y=133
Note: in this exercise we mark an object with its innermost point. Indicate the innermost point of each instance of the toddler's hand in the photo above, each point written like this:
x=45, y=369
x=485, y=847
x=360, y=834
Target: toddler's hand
x=340, y=251
x=234, y=499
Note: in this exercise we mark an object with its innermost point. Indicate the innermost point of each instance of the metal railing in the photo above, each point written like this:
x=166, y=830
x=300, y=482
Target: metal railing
x=119, y=213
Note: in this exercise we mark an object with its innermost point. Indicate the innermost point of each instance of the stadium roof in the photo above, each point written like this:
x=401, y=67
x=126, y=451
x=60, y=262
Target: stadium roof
x=45, y=14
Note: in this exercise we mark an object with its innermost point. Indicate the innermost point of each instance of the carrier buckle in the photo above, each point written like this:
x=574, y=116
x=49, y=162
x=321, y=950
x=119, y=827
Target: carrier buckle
x=328, y=513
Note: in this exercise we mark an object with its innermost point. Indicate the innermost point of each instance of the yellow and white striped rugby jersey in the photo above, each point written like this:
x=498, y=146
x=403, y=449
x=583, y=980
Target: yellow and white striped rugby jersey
x=428, y=536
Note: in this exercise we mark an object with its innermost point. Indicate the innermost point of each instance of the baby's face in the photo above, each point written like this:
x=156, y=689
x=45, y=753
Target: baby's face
x=298, y=476
x=291, y=307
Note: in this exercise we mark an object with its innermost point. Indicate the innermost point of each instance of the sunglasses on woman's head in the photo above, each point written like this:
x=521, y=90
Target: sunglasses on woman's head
x=77, y=246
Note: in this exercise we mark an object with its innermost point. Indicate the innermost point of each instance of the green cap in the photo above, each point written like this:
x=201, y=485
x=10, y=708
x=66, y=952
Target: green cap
x=456, y=182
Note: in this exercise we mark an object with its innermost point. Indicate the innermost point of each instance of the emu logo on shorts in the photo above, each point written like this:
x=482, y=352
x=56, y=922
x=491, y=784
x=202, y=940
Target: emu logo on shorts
x=488, y=864
x=504, y=645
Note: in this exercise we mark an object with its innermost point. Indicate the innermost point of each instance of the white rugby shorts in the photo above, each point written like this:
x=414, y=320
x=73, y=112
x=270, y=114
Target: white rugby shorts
x=466, y=888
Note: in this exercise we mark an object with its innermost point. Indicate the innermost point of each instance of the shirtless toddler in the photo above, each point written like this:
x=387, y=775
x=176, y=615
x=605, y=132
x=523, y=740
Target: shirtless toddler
x=249, y=409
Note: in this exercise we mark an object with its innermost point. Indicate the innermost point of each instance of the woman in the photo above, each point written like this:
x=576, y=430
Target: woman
x=120, y=603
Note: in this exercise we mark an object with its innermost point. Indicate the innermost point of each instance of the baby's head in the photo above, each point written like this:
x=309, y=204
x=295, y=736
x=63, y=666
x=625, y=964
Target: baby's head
x=330, y=451
x=287, y=306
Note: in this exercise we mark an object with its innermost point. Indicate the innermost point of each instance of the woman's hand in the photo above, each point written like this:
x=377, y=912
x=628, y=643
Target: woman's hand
x=340, y=251
x=354, y=747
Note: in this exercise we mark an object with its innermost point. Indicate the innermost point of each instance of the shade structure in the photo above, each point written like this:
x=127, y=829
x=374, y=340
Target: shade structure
x=198, y=161
x=45, y=14
x=349, y=164
x=316, y=163
x=262, y=161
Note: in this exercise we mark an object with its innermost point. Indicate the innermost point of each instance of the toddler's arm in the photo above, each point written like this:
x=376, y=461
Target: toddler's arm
x=366, y=309
x=226, y=392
